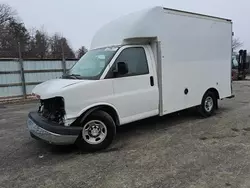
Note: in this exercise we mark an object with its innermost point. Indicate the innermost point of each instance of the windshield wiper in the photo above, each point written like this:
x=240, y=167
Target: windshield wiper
x=74, y=76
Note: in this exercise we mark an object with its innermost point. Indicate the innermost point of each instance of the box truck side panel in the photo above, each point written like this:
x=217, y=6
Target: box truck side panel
x=196, y=56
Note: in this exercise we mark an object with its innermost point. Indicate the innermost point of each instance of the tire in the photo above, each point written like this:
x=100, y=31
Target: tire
x=208, y=104
x=98, y=132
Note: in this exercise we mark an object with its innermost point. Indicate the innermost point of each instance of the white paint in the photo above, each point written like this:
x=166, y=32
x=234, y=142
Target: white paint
x=133, y=96
x=196, y=51
x=55, y=87
x=195, y=54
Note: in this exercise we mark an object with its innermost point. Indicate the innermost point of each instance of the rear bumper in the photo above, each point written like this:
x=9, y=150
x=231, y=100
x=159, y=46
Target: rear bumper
x=50, y=132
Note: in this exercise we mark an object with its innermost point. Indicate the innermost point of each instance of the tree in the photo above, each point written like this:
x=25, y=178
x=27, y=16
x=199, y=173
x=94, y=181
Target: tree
x=6, y=13
x=39, y=45
x=35, y=44
x=67, y=50
x=60, y=48
x=20, y=36
x=81, y=51
x=236, y=43
x=15, y=35
x=55, y=47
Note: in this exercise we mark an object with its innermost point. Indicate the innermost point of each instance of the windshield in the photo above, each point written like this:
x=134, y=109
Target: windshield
x=93, y=63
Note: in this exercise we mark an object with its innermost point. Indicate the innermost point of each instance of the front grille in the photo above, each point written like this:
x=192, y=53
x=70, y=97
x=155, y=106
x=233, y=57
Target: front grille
x=53, y=109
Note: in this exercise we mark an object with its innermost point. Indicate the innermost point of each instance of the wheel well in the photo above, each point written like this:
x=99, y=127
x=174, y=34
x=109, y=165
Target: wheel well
x=215, y=91
x=111, y=111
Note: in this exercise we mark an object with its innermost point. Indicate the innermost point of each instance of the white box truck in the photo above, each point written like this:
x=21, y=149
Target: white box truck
x=153, y=62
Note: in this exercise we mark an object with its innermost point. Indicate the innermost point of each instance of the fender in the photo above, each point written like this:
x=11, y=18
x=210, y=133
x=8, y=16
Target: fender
x=89, y=109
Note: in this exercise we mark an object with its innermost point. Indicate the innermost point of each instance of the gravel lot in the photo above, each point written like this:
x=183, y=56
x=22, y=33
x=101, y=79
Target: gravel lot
x=179, y=150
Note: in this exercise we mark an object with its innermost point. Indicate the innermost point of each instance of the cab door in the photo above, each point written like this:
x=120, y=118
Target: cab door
x=136, y=92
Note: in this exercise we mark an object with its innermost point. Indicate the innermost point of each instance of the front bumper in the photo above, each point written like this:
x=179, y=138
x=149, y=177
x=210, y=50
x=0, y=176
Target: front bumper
x=50, y=132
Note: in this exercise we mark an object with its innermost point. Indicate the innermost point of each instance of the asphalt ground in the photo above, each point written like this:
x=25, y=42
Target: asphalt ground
x=177, y=150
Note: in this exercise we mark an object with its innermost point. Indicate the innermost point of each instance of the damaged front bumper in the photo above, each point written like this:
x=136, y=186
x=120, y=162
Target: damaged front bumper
x=41, y=128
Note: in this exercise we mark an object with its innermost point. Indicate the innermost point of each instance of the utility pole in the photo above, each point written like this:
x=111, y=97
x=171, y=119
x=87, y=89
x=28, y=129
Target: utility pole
x=63, y=57
x=22, y=71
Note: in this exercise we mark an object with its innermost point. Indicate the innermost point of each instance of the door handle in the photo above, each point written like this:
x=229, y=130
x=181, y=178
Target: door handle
x=152, y=81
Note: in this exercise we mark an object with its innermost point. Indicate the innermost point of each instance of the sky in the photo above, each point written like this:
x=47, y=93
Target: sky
x=78, y=20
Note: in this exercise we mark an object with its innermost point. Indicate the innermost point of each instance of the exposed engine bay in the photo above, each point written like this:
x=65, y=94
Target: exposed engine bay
x=53, y=109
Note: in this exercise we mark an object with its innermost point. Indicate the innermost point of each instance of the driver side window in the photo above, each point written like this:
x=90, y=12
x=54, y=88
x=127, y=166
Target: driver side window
x=135, y=58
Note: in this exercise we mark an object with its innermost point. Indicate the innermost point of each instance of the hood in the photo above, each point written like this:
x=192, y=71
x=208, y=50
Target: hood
x=52, y=88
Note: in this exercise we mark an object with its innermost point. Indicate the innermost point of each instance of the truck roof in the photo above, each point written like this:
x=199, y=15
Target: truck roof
x=142, y=24
x=198, y=14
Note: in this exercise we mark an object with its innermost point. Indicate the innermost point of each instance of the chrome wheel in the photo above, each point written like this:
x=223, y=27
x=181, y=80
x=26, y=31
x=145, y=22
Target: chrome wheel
x=209, y=104
x=94, y=132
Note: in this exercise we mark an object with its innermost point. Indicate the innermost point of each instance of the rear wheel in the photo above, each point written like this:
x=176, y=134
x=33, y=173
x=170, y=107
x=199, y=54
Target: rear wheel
x=208, y=104
x=98, y=132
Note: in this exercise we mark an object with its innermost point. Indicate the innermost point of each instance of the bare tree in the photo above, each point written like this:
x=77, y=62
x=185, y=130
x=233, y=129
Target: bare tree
x=81, y=51
x=14, y=36
x=6, y=13
x=236, y=43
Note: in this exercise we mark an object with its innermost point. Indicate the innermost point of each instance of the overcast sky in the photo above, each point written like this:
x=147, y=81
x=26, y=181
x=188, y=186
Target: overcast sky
x=78, y=20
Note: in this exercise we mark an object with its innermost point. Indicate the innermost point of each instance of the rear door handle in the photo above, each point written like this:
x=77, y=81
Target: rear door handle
x=152, y=81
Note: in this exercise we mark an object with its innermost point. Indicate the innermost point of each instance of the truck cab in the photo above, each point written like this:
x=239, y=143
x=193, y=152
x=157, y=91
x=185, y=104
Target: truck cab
x=119, y=79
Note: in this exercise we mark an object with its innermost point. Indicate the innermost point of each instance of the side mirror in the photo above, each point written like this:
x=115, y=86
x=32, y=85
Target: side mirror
x=122, y=68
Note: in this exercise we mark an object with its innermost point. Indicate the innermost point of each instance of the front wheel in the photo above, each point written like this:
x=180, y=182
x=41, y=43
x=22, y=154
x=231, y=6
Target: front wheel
x=208, y=104
x=98, y=132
